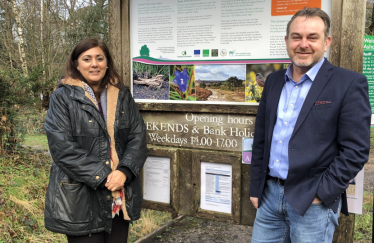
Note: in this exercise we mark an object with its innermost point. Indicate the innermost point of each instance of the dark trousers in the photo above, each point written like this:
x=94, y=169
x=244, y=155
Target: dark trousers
x=120, y=230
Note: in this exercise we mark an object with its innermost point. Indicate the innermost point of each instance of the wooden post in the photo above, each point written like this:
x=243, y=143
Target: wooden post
x=125, y=41
x=347, y=31
x=119, y=37
x=115, y=33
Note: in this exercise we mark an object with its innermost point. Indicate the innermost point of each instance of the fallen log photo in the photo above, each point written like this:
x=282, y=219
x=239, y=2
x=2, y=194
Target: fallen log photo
x=155, y=81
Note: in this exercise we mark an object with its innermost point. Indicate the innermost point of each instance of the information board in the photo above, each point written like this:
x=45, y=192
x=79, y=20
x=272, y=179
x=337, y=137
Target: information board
x=157, y=179
x=216, y=187
x=208, y=51
x=368, y=69
x=198, y=130
x=355, y=193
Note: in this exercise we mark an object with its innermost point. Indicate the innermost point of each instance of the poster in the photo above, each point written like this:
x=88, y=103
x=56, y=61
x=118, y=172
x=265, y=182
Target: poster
x=216, y=187
x=247, y=150
x=176, y=44
x=368, y=70
x=355, y=193
x=156, y=185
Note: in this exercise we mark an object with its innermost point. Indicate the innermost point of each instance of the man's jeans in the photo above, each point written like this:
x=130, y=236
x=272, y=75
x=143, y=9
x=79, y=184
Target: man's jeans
x=277, y=221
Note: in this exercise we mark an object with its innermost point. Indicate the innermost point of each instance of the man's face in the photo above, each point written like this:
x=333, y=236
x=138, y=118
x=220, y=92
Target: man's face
x=306, y=42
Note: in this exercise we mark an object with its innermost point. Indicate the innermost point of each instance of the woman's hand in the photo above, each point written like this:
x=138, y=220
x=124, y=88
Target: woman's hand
x=115, y=180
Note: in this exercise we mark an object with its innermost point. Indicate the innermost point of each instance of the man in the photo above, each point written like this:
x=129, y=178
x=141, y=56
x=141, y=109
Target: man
x=312, y=135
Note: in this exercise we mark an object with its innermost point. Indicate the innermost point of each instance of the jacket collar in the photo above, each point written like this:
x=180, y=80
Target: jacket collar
x=323, y=76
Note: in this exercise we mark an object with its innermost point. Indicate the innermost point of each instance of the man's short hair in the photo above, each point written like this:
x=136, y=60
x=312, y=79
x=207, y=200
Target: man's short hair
x=311, y=12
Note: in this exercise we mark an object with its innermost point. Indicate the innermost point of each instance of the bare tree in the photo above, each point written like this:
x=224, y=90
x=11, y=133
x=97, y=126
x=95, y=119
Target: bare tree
x=17, y=11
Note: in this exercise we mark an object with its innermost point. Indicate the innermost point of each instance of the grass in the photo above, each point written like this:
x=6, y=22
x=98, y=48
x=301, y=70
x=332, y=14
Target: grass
x=364, y=222
x=149, y=221
x=37, y=141
x=23, y=184
x=24, y=177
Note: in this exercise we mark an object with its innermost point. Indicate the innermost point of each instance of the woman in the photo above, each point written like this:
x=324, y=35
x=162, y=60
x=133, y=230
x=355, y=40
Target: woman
x=96, y=137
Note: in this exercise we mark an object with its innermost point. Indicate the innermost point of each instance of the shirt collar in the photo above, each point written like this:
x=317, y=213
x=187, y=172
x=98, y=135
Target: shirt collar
x=311, y=74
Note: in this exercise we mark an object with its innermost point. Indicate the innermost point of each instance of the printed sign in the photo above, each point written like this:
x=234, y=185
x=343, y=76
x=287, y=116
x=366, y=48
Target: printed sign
x=355, y=193
x=198, y=130
x=157, y=179
x=247, y=150
x=368, y=69
x=216, y=187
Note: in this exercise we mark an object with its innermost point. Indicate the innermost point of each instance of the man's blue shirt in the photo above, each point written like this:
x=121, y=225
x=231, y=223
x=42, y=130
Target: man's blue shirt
x=289, y=106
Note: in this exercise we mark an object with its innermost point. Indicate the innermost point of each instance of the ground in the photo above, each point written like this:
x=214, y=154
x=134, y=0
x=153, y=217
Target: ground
x=192, y=229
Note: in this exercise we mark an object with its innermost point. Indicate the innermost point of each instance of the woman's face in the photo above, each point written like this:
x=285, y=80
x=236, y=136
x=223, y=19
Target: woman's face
x=92, y=65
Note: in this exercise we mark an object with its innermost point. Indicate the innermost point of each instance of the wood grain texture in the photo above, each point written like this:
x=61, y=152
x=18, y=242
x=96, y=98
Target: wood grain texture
x=186, y=187
x=211, y=108
x=352, y=26
x=125, y=37
x=218, y=157
x=344, y=233
x=352, y=34
x=335, y=31
x=248, y=211
x=115, y=33
x=171, y=153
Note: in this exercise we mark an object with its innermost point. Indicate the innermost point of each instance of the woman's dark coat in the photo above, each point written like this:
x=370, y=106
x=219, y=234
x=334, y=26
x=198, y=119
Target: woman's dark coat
x=79, y=142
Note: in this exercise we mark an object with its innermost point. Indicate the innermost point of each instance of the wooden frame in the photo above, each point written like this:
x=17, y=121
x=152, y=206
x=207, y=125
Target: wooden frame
x=346, y=50
x=224, y=158
x=346, y=28
x=171, y=153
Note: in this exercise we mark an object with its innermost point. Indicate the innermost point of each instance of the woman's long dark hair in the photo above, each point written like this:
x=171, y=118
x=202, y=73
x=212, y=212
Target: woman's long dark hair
x=111, y=74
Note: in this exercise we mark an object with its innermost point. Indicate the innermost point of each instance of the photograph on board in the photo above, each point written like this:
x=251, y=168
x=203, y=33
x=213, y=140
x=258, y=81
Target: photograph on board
x=247, y=150
x=256, y=75
x=182, y=82
x=150, y=81
x=220, y=82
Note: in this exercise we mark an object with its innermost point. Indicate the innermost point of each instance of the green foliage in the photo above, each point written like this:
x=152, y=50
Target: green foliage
x=230, y=82
x=364, y=222
x=36, y=141
x=90, y=21
x=17, y=90
x=23, y=184
x=153, y=70
x=202, y=85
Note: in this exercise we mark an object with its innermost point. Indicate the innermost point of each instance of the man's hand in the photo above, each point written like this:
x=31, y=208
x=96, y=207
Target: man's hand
x=115, y=180
x=317, y=200
x=254, y=201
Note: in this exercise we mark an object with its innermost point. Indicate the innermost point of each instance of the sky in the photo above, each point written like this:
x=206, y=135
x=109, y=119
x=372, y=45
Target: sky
x=219, y=72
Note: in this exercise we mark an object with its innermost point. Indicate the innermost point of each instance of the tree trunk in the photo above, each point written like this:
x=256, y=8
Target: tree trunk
x=41, y=35
x=21, y=44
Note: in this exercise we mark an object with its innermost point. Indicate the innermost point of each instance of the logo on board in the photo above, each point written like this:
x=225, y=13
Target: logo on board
x=206, y=53
x=196, y=53
x=214, y=52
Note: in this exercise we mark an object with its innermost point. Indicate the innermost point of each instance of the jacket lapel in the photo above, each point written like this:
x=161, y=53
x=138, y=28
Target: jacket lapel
x=319, y=83
x=79, y=93
x=112, y=99
x=275, y=93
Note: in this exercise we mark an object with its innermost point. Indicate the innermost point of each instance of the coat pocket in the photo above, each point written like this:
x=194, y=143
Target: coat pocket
x=72, y=202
